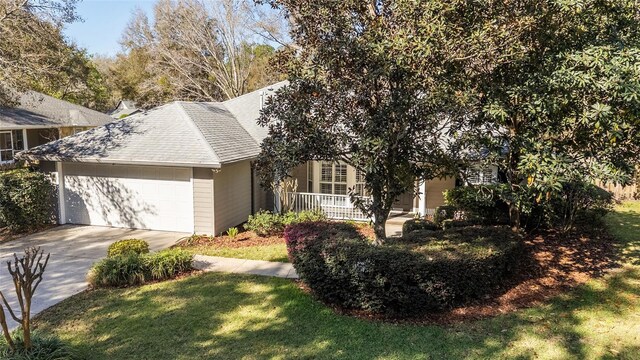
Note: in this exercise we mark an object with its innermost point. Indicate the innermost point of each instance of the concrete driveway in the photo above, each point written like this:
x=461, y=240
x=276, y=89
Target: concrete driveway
x=73, y=250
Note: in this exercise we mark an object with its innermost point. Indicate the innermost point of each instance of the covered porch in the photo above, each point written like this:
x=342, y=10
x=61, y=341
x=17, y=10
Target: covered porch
x=323, y=186
x=12, y=141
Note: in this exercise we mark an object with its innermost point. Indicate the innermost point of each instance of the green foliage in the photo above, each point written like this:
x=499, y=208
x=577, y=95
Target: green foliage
x=422, y=272
x=418, y=224
x=123, y=270
x=484, y=202
x=232, y=232
x=127, y=246
x=134, y=269
x=42, y=348
x=385, y=121
x=266, y=223
x=167, y=264
x=25, y=199
x=445, y=212
x=577, y=203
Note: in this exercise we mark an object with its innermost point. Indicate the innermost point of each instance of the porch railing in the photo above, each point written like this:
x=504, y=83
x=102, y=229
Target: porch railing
x=334, y=206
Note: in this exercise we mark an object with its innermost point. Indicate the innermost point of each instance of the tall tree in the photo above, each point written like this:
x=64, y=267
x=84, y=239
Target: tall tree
x=560, y=96
x=196, y=50
x=352, y=97
x=31, y=43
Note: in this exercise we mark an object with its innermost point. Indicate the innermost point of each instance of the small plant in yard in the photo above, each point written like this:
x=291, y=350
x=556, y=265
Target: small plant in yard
x=134, y=269
x=26, y=273
x=43, y=347
x=127, y=246
x=232, y=232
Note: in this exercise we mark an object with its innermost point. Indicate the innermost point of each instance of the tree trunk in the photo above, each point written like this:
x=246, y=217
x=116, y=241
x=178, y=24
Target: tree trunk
x=379, y=227
x=5, y=330
x=514, y=216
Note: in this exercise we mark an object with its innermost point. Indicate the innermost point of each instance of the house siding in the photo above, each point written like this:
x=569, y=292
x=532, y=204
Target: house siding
x=232, y=195
x=435, y=189
x=203, y=204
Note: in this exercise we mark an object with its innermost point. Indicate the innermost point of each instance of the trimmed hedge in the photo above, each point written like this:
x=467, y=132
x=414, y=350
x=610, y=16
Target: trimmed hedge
x=134, y=269
x=127, y=246
x=418, y=224
x=26, y=201
x=423, y=272
x=266, y=223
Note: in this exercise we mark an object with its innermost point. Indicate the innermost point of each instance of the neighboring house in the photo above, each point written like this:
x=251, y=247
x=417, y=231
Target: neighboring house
x=187, y=166
x=125, y=108
x=38, y=119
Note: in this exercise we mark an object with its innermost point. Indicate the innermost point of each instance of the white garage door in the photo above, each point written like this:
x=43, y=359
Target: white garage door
x=140, y=197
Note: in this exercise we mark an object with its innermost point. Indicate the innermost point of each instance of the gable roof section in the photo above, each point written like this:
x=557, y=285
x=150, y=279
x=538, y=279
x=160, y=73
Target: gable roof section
x=36, y=110
x=162, y=136
x=181, y=133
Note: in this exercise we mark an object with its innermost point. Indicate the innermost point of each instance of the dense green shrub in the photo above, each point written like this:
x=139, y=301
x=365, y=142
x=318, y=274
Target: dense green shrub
x=418, y=224
x=26, y=199
x=135, y=269
x=578, y=202
x=266, y=223
x=445, y=212
x=122, y=270
x=424, y=271
x=127, y=246
x=482, y=202
x=42, y=348
x=168, y=264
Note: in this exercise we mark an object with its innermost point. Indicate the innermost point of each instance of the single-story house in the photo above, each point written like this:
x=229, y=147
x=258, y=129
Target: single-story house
x=38, y=119
x=187, y=166
x=124, y=109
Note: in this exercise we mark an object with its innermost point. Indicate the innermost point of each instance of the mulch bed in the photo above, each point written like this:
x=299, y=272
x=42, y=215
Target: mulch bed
x=250, y=239
x=558, y=262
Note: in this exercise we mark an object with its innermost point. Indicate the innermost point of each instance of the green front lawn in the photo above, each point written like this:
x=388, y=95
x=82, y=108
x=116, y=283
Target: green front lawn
x=226, y=316
x=275, y=252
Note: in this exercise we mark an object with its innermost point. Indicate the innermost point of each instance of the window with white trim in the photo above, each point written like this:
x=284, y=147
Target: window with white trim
x=6, y=146
x=360, y=181
x=482, y=176
x=310, y=176
x=333, y=178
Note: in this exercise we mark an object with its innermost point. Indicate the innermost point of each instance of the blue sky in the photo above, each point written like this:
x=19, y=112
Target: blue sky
x=104, y=21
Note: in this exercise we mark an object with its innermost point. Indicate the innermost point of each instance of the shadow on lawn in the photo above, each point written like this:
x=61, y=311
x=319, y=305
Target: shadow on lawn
x=624, y=224
x=237, y=316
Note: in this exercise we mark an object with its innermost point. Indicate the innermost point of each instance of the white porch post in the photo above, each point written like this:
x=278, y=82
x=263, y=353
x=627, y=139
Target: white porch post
x=25, y=142
x=62, y=216
x=422, y=201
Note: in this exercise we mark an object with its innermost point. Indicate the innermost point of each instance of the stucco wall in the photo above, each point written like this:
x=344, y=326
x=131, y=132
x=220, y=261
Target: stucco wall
x=232, y=195
x=203, y=205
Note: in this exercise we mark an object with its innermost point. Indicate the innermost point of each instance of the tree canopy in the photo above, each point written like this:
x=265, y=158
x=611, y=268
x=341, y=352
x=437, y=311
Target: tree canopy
x=403, y=89
x=195, y=50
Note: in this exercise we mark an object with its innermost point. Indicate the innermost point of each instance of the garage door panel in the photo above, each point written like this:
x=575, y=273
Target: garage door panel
x=131, y=197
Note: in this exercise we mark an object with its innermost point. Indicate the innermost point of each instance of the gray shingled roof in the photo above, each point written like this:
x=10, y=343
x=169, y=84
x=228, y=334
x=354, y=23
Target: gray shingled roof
x=246, y=109
x=199, y=134
x=36, y=110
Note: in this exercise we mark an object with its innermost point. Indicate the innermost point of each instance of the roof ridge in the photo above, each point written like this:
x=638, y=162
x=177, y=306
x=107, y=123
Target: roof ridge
x=198, y=130
x=254, y=91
